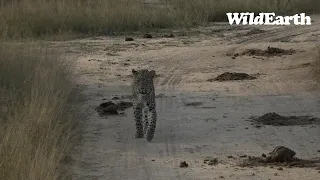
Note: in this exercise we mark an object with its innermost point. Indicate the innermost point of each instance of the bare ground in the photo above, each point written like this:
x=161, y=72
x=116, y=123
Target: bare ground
x=217, y=126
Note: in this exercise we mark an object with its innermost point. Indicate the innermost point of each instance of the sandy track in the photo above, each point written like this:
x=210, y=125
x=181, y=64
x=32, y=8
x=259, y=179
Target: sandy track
x=216, y=128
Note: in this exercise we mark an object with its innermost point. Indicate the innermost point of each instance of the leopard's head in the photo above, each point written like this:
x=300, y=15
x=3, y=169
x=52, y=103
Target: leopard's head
x=143, y=80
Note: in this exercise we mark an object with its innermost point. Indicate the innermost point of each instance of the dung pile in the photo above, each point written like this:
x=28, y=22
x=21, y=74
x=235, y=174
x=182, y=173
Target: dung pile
x=271, y=51
x=274, y=119
x=232, y=76
x=110, y=108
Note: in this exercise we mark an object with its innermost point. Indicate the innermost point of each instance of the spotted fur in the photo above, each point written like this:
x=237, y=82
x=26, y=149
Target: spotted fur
x=144, y=104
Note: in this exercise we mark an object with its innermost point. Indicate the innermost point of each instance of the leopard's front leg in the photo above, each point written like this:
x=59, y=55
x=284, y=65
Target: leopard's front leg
x=138, y=120
x=152, y=117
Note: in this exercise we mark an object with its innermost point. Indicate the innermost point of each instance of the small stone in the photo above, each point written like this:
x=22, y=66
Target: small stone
x=280, y=168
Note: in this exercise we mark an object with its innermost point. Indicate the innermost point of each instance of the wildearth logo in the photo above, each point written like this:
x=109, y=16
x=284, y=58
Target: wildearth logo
x=267, y=19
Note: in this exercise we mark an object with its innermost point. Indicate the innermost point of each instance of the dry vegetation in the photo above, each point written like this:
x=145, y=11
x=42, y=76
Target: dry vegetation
x=36, y=130
x=38, y=18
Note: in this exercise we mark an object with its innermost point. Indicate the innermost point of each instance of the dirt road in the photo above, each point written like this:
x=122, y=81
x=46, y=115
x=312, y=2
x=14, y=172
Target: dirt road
x=216, y=125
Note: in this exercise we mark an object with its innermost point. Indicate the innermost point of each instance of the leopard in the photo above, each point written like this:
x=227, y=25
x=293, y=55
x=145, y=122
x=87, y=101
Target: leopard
x=144, y=103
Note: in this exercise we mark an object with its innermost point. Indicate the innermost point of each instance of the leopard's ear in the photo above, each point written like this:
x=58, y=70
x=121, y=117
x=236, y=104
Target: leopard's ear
x=153, y=73
x=134, y=72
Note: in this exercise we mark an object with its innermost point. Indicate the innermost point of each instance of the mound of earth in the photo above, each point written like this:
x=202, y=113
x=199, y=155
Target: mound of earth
x=271, y=51
x=110, y=108
x=280, y=156
x=232, y=76
x=183, y=164
x=274, y=119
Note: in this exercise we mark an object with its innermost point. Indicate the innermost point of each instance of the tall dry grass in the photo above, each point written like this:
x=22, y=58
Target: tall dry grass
x=36, y=127
x=40, y=18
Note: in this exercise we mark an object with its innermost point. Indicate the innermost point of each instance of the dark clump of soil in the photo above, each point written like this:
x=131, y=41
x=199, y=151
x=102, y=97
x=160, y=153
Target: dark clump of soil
x=271, y=51
x=232, y=76
x=183, y=164
x=110, y=108
x=274, y=119
x=107, y=108
x=274, y=158
x=193, y=103
x=147, y=36
x=129, y=39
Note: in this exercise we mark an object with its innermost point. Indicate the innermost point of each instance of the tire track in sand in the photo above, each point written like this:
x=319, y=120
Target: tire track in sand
x=280, y=33
x=172, y=147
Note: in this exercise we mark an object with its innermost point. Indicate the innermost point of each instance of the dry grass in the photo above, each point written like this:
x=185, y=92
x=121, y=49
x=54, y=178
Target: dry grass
x=40, y=18
x=35, y=129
